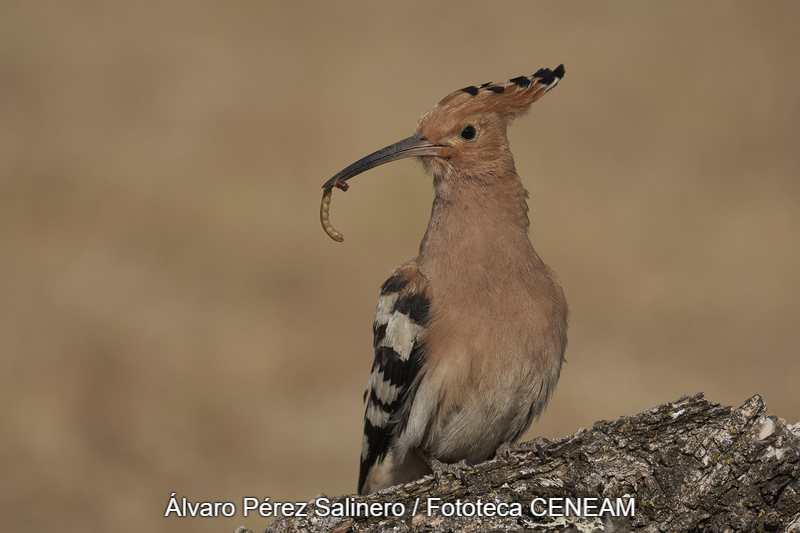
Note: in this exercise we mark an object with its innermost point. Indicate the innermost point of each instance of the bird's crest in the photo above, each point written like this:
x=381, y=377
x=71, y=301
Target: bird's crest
x=508, y=99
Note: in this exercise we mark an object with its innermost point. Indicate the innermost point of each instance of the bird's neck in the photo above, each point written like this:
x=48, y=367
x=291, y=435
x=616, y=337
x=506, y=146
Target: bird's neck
x=478, y=228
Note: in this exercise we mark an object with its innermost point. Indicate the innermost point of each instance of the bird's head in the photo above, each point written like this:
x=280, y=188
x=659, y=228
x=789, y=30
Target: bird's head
x=465, y=133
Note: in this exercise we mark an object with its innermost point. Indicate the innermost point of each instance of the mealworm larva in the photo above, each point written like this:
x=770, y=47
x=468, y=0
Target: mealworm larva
x=324, y=210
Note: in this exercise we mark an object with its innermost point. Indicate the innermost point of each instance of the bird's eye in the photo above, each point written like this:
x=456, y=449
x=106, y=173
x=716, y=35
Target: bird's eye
x=468, y=133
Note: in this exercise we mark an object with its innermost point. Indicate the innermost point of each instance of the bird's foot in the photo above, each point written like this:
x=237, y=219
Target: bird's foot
x=506, y=449
x=456, y=469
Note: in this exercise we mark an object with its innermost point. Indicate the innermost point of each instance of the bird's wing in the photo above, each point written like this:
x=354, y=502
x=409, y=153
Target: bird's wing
x=400, y=320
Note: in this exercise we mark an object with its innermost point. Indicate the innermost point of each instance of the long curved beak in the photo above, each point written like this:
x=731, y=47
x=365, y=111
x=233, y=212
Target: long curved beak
x=416, y=145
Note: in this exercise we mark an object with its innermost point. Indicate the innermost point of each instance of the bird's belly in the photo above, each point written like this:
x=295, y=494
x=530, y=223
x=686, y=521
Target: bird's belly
x=474, y=426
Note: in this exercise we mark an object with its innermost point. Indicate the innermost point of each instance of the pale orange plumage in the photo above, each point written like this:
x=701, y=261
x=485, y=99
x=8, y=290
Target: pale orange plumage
x=469, y=335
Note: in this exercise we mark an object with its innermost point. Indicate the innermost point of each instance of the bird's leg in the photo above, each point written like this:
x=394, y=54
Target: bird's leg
x=507, y=448
x=439, y=468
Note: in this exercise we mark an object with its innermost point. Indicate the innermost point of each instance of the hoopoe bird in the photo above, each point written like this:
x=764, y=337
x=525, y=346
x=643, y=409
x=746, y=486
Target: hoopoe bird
x=470, y=335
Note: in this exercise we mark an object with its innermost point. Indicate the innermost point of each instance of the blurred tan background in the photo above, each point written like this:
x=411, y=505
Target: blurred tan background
x=174, y=319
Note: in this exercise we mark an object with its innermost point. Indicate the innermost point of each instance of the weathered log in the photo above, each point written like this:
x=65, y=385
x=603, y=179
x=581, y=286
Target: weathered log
x=691, y=465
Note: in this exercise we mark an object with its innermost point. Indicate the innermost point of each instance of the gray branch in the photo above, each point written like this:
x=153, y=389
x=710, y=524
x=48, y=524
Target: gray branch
x=691, y=465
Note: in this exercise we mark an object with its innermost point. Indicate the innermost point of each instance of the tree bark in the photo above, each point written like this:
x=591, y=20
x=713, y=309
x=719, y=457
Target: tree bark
x=691, y=465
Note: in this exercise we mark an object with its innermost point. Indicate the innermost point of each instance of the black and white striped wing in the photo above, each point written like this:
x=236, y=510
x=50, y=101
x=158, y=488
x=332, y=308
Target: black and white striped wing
x=400, y=320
